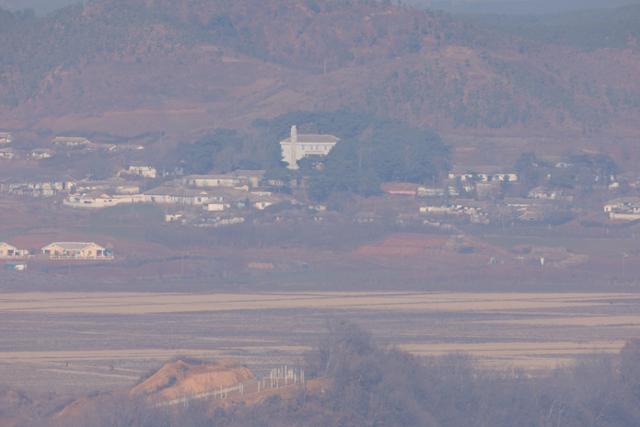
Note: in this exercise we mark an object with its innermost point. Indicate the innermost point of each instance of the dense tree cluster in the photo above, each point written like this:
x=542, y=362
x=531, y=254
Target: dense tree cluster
x=224, y=150
x=371, y=151
x=586, y=29
x=580, y=171
x=392, y=152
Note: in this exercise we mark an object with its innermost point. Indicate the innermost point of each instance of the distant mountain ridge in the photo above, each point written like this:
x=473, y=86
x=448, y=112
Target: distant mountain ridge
x=40, y=6
x=520, y=7
x=187, y=65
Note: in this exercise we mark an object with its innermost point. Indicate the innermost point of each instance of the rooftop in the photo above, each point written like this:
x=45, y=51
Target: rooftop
x=72, y=246
x=625, y=200
x=176, y=192
x=211, y=176
x=311, y=138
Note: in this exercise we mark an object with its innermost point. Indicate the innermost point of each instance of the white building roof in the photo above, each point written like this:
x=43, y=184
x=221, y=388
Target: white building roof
x=311, y=138
x=72, y=246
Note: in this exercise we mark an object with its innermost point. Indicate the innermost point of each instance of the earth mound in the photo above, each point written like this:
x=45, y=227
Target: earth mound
x=187, y=378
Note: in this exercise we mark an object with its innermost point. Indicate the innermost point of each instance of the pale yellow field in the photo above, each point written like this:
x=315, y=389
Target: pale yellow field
x=146, y=303
x=106, y=340
x=526, y=355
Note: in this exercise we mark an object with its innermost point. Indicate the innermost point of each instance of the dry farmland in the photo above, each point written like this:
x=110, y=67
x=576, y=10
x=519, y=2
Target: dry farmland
x=72, y=342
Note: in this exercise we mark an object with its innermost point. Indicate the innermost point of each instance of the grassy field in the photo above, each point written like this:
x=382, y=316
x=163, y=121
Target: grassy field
x=81, y=342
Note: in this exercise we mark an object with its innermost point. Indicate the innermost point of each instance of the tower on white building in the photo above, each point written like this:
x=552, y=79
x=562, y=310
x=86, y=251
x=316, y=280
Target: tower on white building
x=299, y=146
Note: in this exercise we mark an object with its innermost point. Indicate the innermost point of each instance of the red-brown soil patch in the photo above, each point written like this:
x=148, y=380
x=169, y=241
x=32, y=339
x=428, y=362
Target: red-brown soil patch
x=178, y=379
x=401, y=245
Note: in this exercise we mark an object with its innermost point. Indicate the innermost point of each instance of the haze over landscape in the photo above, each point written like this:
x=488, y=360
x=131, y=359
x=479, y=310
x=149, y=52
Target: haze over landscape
x=319, y=213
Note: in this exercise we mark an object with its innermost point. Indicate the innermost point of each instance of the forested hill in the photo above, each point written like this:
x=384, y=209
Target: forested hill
x=585, y=29
x=182, y=65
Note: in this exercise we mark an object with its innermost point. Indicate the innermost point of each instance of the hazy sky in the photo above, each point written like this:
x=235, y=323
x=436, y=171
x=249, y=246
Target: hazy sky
x=469, y=6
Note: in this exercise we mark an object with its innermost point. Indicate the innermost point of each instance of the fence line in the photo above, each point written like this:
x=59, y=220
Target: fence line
x=278, y=378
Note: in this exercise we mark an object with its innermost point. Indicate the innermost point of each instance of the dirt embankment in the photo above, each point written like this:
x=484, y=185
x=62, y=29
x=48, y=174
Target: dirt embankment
x=183, y=381
x=180, y=378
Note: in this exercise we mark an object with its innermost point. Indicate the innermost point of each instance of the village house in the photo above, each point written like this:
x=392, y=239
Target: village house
x=71, y=141
x=400, y=189
x=262, y=205
x=543, y=193
x=37, y=189
x=105, y=186
x=474, y=214
x=432, y=191
x=41, y=154
x=470, y=181
x=218, y=221
x=252, y=178
x=8, y=153
x=215, y=207
x=77, y=251
x=484, y=176
x=367, y=217
x=299, y=146
x=15, y=266
x=623, y=209
x=109, y=186
x=180, y=196
x=101, y=200
x=141, y=170
x=212, y=181
x=240, y=179
x=8, y=251
x=453, y=210
x=224, y=222
x=5, y=138
x=127, y=189
x=174, y=217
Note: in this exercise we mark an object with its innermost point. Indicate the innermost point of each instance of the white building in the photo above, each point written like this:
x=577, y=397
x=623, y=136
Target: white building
x=71, y=141
x=41, y=154
x=5, y=138
x=215, y=207
x=484, y=177
x=176, y=217
x=180, y=196
x=299, y=146
x=7, y=153
x=101, y=201
x=77, y=250
x=624, y=209
x=212, y=181
x=141, y=170
x=262, y=205
x=8, y=251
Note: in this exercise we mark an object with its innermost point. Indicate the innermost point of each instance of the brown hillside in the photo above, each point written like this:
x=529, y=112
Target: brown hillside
x=182, y=66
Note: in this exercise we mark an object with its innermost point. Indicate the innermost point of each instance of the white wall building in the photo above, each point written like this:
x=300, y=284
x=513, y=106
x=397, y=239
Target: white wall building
x=7, y=153
x=215, y=207
x=41, y=154
x=5, y=138
x=624, y=209
x=102, y=201
x=8, y=251
x=299, y=146
x=212, y=181
x=70, y=141
x=77, y=250
x=141, y=170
